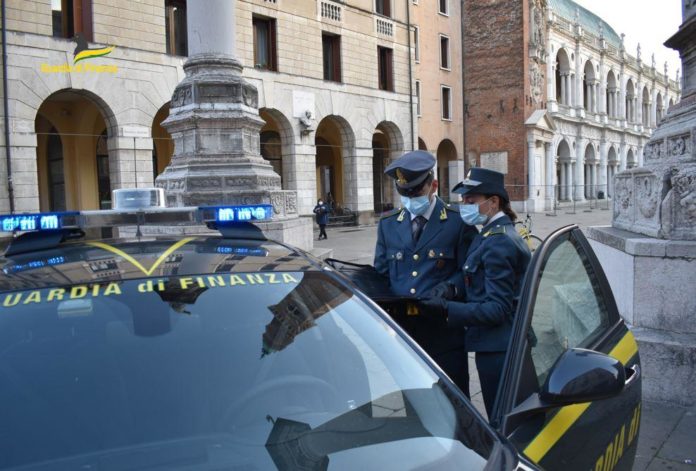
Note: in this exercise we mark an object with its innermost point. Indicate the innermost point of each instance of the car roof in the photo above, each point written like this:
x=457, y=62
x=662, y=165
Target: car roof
x=92, y=261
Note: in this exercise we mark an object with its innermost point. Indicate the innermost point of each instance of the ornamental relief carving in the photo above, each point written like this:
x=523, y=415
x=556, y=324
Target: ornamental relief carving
x=684, y=187
x=646, y=195
x=182, y=96
x=623, y=198
x=278, y=202
x=654, y=150
x=679, y=146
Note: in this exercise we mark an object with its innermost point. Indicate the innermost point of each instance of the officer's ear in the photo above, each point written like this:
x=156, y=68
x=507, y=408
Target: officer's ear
x=434, y=187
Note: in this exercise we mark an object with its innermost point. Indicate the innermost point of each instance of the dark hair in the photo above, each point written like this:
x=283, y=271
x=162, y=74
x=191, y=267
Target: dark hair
x=505, y=207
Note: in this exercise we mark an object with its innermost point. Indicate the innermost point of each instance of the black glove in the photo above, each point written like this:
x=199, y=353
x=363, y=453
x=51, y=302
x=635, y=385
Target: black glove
x=445, y=290
x=434, y=308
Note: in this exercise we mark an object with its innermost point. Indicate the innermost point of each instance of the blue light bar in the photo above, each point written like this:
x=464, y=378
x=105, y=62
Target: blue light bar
x=38, y=221
x=246, y=213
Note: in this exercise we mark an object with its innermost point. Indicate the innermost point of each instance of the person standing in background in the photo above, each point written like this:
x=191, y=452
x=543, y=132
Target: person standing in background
x=322, y=214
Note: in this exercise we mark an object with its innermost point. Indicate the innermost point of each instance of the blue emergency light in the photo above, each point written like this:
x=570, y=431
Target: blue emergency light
x=242, y=213
x=38, y=221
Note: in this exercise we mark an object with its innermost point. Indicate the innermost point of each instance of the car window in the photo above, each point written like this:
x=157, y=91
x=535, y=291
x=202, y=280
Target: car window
x=244, y=371
x=569, y=310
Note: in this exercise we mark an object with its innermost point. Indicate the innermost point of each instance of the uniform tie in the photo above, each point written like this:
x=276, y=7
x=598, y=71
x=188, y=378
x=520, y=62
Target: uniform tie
x=417, y=227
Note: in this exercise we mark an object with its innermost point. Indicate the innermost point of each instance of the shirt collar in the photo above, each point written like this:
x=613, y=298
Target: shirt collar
x=497, y=215
x=429, y=212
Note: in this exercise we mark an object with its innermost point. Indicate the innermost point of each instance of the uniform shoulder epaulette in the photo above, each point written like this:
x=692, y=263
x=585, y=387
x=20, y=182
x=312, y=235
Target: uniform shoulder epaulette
x=450, y=208
x=495, y=230
x=391, y=213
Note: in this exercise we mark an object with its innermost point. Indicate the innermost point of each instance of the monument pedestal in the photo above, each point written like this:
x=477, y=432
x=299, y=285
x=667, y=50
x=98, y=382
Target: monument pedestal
x=652, y=280
x=215, y=125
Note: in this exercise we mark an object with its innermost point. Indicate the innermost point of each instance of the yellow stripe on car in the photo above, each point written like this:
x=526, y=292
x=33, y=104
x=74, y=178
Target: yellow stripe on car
x=568, y=415
x=137, y=264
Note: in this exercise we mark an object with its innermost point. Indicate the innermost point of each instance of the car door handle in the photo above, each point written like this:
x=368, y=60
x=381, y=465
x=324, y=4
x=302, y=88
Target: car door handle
x=634, y=375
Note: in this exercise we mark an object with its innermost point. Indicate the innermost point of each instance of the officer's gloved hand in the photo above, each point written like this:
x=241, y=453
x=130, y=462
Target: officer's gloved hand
x=434, y=307
x=445, y=290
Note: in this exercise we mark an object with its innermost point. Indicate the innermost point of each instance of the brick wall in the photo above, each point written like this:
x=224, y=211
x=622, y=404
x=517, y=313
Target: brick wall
x=495, y=77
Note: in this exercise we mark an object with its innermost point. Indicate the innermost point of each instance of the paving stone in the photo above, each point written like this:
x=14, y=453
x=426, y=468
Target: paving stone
x=664, y=465
x=681, y=443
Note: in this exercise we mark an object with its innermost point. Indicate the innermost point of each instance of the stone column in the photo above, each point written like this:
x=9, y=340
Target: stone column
x=130, y=162
x=215, y=125
x=564, y=85
x=580, y=170
x=603, y=146
x=550, y=82
x=563, y=184
x=301, y=177
x=550, y=173
x=25, y=176
x=571, y=184
x=357, y=181
x=531, y=149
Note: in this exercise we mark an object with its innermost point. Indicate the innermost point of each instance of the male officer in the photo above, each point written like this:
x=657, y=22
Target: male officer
x=421, y=248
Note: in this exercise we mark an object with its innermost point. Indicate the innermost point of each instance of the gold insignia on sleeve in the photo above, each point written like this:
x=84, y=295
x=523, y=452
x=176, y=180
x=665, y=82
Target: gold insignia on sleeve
x=443, y=214
x=401, y=216
x=400, y=179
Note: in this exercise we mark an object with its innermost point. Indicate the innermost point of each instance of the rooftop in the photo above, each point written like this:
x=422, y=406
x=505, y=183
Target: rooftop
x=590, y=22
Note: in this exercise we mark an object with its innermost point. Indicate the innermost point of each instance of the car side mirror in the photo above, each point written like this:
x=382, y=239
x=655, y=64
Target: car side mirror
x=581, y=375
x=578, y=376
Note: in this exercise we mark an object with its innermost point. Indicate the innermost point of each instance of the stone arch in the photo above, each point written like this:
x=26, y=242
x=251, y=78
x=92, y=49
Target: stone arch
x=83, y=122
x=564, y=81
x=671, y=103
x=612, y=95
x=590, y=166
x=335, y=148
x=277, y=141
x=387, y=144
x=630, y=101
x=446, y=153
x=589, y=86
x=564, y=170
x=162, y=143
x=613, y=163
x=421, y=144
x=659, y=108
x=645, y=107
x=631, y=159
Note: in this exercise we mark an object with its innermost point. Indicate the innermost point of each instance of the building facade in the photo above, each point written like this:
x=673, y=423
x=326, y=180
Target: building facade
x=438, y=56
x=335, y=90
x=554, y=100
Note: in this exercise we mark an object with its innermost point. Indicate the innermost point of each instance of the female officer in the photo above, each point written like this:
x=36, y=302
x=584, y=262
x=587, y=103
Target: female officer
x=494, y=269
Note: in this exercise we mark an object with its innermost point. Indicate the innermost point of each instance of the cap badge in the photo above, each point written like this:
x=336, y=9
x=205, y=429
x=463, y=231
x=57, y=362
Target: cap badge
x=400, y=179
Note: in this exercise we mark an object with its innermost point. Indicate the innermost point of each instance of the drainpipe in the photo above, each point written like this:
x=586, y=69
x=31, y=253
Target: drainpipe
x=464, y=107
x=8, y=155
x=410, y=75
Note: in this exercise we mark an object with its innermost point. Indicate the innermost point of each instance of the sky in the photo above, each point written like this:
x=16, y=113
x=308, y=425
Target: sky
x=650, y=22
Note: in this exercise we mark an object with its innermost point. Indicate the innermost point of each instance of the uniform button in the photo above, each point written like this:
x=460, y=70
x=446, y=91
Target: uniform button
x=415, y=256
x=466, y=267
x=413, y=290
x=415, y=273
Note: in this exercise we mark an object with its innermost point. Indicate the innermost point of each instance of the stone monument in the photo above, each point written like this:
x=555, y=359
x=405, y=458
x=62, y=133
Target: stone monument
x=214, y=122
x=649, y=253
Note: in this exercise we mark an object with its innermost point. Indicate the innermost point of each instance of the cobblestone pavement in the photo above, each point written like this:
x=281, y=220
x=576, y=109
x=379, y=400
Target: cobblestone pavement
x=668, y=433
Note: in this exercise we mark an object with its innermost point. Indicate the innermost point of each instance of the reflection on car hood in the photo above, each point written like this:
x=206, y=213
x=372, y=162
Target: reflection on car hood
x=99, y=261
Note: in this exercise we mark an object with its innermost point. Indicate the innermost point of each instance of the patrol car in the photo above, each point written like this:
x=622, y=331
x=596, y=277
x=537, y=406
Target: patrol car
x=231, y=351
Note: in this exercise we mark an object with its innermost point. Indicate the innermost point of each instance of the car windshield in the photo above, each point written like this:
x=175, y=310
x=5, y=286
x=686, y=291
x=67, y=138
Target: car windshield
x=250, y=371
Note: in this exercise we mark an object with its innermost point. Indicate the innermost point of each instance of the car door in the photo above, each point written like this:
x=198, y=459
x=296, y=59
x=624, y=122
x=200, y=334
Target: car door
x=567, y=303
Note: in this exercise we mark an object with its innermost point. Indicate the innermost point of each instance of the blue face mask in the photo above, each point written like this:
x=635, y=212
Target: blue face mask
x=416, y=206
x=470, y=214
